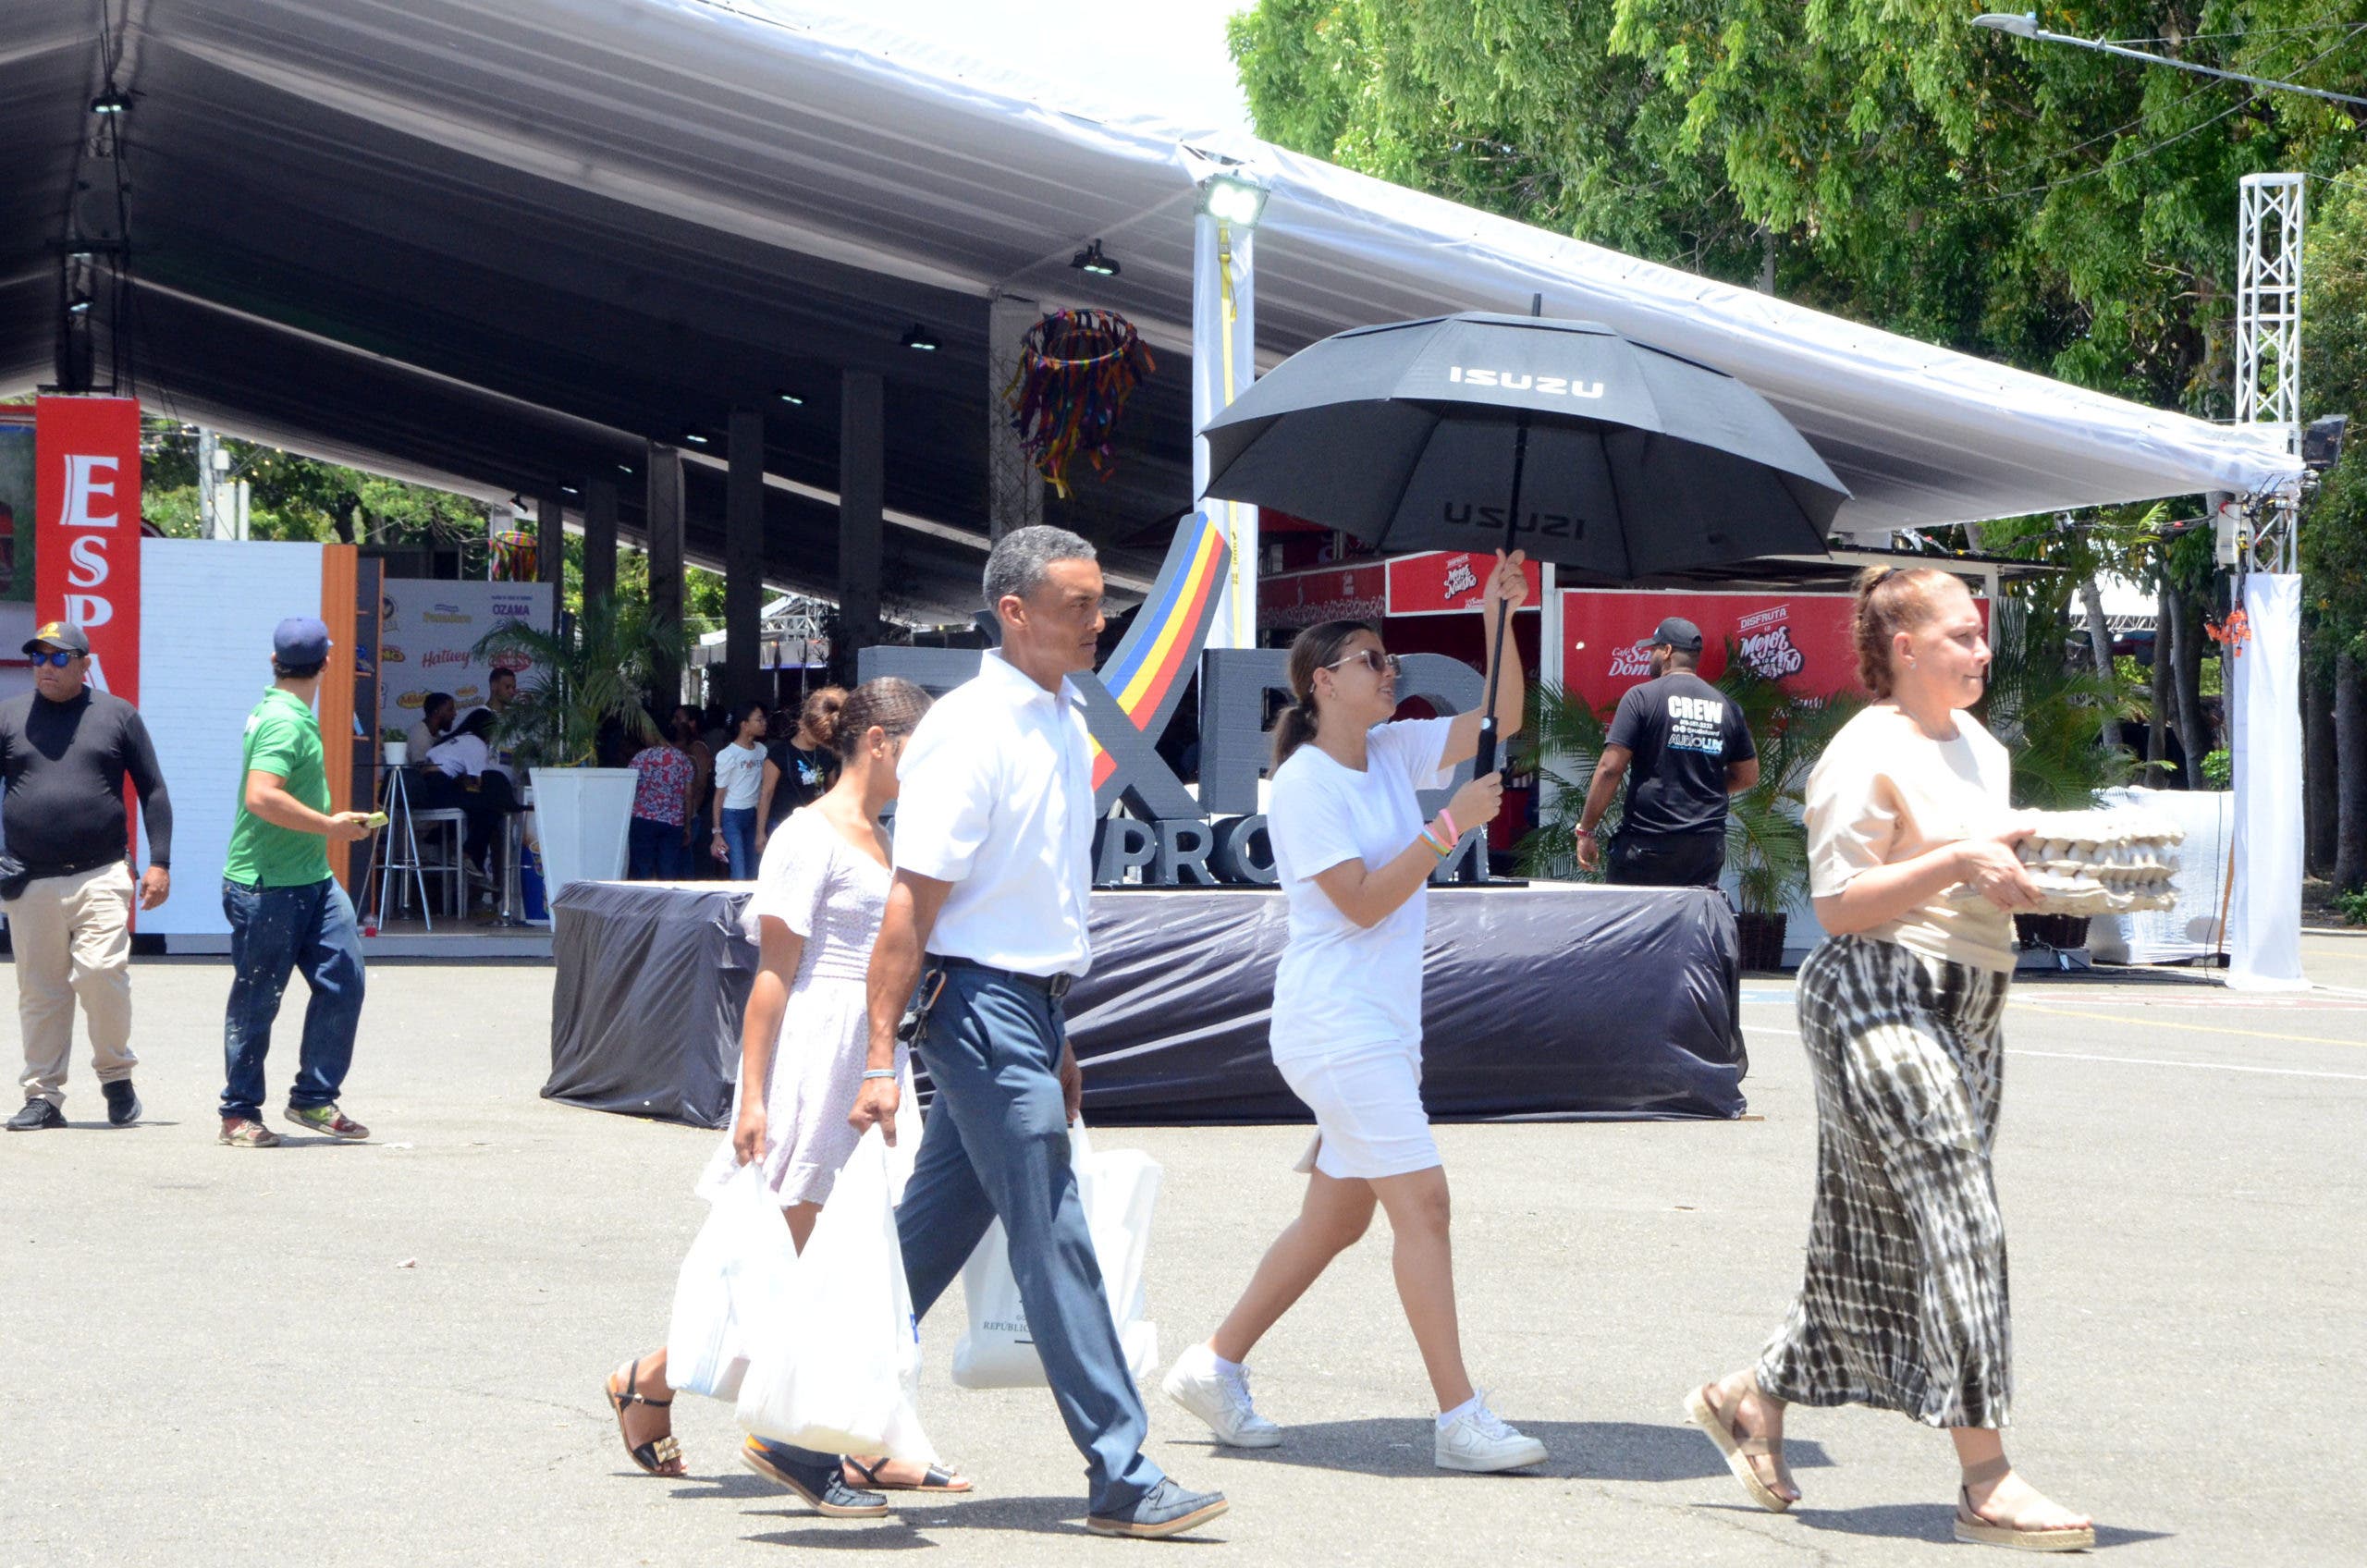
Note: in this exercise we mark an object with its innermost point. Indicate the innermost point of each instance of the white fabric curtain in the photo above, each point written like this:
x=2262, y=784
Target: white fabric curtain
x=2265, y=923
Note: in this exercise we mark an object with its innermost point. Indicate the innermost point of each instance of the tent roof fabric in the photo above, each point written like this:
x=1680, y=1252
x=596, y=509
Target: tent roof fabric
x=498, y=243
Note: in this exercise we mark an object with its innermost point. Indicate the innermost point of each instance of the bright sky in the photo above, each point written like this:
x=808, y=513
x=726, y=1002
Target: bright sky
x=1165, y=58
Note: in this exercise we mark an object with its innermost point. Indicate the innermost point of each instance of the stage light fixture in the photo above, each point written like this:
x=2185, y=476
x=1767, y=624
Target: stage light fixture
x=922, y=338
x=1232, y=200
x=695, y=438
x=2321, y=442
x=1091, y=260
x=110, y=103
x=79, y=305
x=792, y=398
x=569, y=490
x=624, y=467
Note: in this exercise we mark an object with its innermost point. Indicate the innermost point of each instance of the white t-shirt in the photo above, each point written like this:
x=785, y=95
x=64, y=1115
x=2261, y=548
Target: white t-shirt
x=998, y=800
x=1884, y=792
x=740, y=776
x=1339, y=984
x=460, y=756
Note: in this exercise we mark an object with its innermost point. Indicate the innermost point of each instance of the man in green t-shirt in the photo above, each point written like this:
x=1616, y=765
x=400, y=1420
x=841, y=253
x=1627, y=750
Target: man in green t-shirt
x=287, y=914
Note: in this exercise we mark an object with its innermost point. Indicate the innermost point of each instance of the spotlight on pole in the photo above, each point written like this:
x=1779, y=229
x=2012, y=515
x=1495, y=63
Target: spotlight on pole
x=1091, y=260
x=922, y=338
x=2321, y=442
x=1232, y=200
x=110, y=103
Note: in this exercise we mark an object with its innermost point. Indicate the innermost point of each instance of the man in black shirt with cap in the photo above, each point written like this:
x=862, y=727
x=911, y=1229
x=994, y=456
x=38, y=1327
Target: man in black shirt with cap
x=64, y=751
x=1688, y=749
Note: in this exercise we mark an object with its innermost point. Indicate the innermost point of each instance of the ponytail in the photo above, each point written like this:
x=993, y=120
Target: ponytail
x=1313, y=649
x=1890, y=600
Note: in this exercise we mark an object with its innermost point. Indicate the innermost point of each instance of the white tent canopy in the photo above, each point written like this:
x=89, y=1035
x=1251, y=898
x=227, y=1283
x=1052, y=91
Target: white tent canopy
x=505, y=241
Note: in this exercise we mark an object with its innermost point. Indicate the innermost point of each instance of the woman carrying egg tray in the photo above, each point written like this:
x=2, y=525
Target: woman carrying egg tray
x=1904, y=1305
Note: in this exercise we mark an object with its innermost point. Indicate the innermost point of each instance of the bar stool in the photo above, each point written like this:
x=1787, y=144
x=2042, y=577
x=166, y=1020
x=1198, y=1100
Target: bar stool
x=397, y=854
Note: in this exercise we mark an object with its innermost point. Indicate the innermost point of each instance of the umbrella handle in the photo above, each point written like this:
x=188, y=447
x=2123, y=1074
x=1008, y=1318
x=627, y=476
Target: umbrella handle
x=1484, y=761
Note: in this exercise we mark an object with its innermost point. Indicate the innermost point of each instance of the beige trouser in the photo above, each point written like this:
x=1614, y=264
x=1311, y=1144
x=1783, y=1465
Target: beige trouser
x=72, y=937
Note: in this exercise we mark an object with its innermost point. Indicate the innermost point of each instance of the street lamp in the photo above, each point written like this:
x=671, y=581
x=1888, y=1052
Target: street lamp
x=2025, y=25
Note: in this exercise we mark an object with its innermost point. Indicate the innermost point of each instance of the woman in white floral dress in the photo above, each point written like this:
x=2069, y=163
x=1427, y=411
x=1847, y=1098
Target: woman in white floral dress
x=821, y=892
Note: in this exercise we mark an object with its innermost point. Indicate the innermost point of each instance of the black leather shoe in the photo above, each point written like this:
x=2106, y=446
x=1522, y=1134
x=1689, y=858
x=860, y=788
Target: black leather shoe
x=123, y=1103
x=815, y=1478
x=1165, y=1509
x=38, y=1113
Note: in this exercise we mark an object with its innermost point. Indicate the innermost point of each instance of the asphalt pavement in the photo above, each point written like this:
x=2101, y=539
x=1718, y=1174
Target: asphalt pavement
x=392, y=1353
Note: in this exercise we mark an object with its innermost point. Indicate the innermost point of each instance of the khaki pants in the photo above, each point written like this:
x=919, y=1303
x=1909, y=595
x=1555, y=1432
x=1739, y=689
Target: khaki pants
x=72, y=937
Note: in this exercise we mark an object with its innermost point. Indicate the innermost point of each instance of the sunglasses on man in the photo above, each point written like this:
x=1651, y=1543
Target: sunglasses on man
x=57, y=658
x=1373, y=658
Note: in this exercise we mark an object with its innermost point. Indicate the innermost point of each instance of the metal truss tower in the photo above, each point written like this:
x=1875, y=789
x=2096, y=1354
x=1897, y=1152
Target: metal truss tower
x=2268, y=347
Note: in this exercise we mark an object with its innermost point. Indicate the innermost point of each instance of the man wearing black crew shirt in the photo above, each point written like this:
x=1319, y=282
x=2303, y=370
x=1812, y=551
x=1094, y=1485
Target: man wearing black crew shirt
x=65, y=751
x=1688, y=749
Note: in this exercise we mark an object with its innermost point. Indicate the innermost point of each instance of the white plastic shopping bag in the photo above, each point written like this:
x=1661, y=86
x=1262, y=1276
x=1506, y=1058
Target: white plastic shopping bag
x=840, y=1373
x=1119, y=1190
x=733, y=1288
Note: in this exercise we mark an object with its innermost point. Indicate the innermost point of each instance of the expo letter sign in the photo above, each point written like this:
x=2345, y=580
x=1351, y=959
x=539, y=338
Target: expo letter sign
x=86, y=555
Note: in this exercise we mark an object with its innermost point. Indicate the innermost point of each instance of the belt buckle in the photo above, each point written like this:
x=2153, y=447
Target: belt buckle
x=1057, y=987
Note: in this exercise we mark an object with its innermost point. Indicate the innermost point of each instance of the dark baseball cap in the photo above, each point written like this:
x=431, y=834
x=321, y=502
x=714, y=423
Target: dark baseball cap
x=300, y=640
x=63, y=635
x=1679, y=633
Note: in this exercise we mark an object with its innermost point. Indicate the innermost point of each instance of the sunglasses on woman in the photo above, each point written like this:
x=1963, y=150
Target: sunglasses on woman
x=57, y=658
x=1374, y=660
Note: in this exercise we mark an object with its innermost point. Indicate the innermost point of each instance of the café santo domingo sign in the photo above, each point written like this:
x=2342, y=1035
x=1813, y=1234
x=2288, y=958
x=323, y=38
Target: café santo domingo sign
x=1168, y=836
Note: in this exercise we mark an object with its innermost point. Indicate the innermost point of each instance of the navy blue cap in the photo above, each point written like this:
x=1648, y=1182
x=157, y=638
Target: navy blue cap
x=300, y=640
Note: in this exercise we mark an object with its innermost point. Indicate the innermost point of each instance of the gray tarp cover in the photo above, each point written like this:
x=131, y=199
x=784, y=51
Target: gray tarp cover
x=1539, y=1002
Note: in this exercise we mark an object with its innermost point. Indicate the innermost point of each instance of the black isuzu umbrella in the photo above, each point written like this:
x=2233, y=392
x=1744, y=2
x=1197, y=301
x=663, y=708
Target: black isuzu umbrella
x=1611, y=458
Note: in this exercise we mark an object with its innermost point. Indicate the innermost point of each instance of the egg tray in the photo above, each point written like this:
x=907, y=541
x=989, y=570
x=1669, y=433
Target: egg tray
x=2091, y=863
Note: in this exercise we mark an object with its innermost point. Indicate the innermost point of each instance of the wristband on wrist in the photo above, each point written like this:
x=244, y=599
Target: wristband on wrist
x=1452, y=832
x=880, y=1073
x=1436, y=845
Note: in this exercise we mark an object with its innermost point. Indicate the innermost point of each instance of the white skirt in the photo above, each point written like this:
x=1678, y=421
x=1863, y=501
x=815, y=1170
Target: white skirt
x=1368, y=1105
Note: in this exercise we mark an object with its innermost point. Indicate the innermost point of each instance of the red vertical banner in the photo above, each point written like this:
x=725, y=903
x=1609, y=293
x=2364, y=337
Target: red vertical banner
x=86, y=503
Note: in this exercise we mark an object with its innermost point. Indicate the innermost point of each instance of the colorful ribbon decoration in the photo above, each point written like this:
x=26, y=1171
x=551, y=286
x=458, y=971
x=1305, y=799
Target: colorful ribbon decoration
x=514, y=556
x=1076, y=370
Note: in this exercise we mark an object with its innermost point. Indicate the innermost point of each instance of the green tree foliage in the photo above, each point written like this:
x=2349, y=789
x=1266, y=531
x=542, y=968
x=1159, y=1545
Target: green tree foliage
x=2058, y=209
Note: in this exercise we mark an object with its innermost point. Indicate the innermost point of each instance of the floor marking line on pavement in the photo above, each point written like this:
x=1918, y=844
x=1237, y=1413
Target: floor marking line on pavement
x=2212, y=1066
x=2186, y=1028
x=2136, y=1060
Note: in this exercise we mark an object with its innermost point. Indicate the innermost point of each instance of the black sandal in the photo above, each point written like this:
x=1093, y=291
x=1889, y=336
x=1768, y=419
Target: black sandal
x=653, y=1455
x=936, y=1478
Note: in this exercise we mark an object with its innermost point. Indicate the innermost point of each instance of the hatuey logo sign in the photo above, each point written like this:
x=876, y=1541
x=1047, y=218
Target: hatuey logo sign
x=86, y=464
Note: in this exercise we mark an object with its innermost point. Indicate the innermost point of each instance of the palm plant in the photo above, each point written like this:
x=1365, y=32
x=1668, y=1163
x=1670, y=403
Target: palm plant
x=2051, y=715
x=1561, y=739
x=1767, y=842
x=594, y=669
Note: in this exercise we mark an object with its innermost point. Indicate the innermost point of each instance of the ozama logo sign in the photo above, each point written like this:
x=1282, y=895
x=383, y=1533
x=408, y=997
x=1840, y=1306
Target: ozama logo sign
x=86, y=498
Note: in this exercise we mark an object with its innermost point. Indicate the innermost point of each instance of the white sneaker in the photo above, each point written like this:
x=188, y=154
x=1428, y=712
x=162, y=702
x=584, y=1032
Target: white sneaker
x=1220, y=1398
x=1481, y=1442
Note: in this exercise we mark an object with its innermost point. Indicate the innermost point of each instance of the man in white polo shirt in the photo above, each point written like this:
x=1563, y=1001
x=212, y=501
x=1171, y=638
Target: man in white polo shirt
x=994, y=838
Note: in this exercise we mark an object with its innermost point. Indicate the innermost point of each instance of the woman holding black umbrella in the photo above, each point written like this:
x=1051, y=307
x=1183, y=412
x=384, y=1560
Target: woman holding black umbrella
x=1354, y=856
x=1915, y=879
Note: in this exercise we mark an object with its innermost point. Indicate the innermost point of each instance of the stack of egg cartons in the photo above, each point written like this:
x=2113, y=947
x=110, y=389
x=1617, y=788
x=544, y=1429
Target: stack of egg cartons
x=2096, y=863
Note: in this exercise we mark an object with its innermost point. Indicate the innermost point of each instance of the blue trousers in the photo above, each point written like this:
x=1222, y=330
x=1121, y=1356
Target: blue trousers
x=997, y=1144
x=655, y=851
x=740, y=839
x=276, y=932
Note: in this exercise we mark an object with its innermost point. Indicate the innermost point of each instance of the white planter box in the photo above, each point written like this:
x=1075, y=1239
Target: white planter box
x=582, y=818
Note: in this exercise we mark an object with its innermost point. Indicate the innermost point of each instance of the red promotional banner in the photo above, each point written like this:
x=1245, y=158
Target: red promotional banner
x=86, y=556
x=1801, y=640
x=1448, y=582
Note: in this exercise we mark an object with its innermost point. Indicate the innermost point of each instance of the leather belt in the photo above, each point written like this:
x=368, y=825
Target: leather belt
x=1054, y=987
